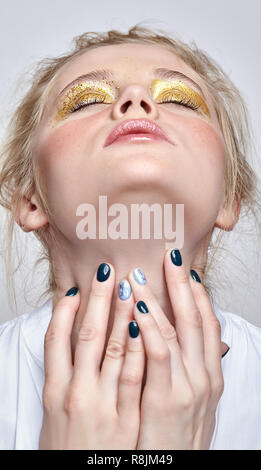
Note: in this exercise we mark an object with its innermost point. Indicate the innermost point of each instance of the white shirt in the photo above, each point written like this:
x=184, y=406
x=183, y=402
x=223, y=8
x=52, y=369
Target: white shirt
x=238, y=415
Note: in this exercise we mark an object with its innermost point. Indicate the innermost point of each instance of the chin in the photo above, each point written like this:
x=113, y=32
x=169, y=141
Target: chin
x=141, y=164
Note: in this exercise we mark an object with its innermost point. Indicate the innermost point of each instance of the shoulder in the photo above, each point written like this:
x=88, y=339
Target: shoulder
x=29, y=319
x=28, y=328
x=239, y=332
x=242, y=364
x=239, y=407
x=22, y=377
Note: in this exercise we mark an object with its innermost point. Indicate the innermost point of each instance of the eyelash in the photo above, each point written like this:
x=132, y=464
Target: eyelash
x=83, y=105
x=187, y=103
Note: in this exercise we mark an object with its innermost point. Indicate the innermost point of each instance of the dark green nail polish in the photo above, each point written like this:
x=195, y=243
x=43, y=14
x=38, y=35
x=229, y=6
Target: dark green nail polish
x=176, y=257
x=71, y=292
x=195, y=275
x=133, y=329
x=142, y=307
x=223, y=355
x=103, y=272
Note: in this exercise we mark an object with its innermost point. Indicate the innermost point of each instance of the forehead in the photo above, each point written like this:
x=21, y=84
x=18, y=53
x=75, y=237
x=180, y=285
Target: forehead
x=124, y=59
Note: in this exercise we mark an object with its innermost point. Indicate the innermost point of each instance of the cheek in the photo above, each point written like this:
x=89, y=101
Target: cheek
x=64, y=159
x=205, y=157
x=208, y=145
x=61, y=146
x=203, y=170
x=65, y=152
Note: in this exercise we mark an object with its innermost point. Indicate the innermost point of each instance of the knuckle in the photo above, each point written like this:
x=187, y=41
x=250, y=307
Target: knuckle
x=168, y=332
x=51, y=335
x=187, y=401
x=75, y=401
x=50, y=400
x=87, y=333
x=193, y=319
x=115, y=349
x=218, y=389
x=215, y=324
x=133, y=377
x=161, y=355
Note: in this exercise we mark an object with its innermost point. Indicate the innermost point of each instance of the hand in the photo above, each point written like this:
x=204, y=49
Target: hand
x=184, y=376
x=85, y=406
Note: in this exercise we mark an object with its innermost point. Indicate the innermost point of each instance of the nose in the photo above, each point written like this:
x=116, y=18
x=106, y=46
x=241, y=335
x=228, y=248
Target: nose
x=135, y=102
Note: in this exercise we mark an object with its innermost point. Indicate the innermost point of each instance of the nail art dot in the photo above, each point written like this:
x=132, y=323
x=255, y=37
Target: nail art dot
x=124, y=290
x=139, y=276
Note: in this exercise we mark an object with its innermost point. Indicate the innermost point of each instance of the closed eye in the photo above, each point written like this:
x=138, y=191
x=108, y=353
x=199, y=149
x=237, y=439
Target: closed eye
x=84, y=104
x=183, y=102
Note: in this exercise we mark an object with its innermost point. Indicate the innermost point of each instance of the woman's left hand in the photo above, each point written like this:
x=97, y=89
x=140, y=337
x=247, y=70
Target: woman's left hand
x=184, y=375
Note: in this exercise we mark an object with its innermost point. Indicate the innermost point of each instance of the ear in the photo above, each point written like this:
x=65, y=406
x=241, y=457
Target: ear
x=29, y=214
x=227, y=218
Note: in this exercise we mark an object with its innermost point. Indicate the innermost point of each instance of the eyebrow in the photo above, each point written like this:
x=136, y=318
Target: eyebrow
x=161, y=72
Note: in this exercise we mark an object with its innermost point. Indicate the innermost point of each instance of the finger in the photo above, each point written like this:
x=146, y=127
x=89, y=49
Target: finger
x=188, y=322
x=115, y=350
x=92, y=333
x=130, y=381
x=211, y=331
x=156, y=349
x=144, y=292
x=57, y=342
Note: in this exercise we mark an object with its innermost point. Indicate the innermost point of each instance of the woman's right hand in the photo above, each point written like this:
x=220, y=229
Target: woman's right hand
x=87, y=406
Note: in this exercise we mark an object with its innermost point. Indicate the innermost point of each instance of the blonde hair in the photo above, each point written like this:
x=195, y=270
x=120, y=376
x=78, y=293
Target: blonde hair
x=19, y=176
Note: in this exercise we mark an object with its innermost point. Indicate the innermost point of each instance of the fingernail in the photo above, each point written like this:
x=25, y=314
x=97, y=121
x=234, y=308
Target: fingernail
x=71, y=292
x=142, y=307
x=103, y=272
x=139, y=276
x=133, y=329
x=124, y=290
x=195, y=275
x=176, y=257
x=223, y=355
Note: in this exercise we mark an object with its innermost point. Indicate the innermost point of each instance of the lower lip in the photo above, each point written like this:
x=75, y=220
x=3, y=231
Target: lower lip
x=137, y=138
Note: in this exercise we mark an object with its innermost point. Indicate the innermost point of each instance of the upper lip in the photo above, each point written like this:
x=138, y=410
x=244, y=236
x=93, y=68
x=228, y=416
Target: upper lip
x=135, y=126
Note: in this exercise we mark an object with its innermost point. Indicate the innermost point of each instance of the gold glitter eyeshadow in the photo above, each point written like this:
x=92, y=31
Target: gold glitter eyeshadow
x=84, y=93
x=178, y=91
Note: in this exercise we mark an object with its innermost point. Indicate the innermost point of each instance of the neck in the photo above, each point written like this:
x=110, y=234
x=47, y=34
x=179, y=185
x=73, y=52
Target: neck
x=76, y=266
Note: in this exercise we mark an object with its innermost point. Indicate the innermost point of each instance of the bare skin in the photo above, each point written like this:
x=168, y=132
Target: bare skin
x=94, y=404
x=77, y=168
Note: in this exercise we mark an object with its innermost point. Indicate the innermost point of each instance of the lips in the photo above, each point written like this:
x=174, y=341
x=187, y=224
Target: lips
x=134, y=127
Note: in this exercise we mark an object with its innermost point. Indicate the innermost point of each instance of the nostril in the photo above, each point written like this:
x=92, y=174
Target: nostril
x=125, y=106
x=146, y=106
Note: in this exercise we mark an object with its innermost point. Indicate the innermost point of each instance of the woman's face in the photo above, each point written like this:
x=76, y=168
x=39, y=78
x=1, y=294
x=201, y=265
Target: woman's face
x=76, y=166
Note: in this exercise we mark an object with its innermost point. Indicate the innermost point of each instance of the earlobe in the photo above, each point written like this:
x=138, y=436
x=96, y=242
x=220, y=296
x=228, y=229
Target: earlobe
x=30, y=214
x=228, y=217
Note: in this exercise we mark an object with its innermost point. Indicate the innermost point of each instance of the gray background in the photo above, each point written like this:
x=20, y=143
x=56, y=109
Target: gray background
x=228, y=30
